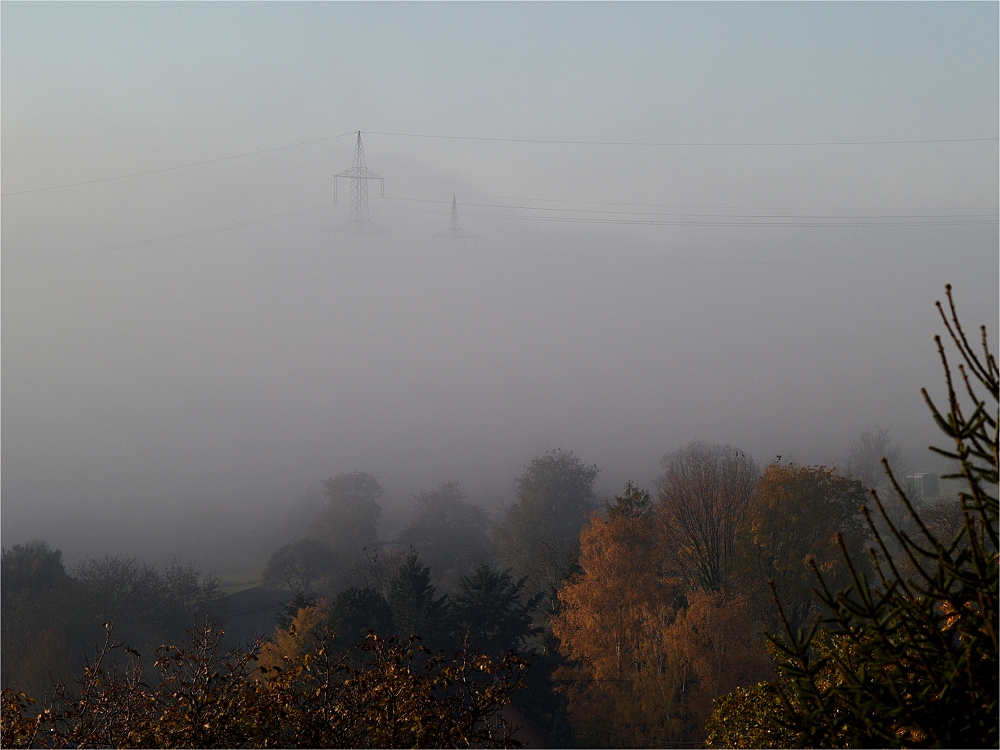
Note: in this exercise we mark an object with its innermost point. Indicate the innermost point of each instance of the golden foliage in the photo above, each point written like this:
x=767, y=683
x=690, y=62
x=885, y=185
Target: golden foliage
x=306, y=631
x=646, y=664
x=606, y=607
x=382, y=694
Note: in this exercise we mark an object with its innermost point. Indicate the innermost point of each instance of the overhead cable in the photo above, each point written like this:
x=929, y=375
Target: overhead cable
x=611, y=217
x=680, y=205
x=685, y=144
x=747, y=212
x=183, y=235
x=178, y=166
x=661, y=144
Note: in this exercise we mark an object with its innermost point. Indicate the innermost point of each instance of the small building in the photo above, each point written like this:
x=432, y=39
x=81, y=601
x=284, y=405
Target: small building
x=926, y=483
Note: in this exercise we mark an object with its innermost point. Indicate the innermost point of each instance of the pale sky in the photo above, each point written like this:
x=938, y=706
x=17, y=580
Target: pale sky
x=764, y=276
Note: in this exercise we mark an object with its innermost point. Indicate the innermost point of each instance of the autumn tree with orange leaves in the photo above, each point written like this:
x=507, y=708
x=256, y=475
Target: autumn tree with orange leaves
x=710, y=647
x=646, y=661
x=605, y=607
x=603, y=613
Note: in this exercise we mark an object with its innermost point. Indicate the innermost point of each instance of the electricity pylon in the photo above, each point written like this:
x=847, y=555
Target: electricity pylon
x=359, y=175
x=454, y=232
x=454, y=215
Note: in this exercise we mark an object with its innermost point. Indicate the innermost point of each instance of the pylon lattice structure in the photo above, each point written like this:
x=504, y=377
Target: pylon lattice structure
x=359, y=175
x=454, y=232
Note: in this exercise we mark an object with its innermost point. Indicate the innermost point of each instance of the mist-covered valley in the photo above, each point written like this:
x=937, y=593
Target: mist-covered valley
x=194, y=412
x=336, y=325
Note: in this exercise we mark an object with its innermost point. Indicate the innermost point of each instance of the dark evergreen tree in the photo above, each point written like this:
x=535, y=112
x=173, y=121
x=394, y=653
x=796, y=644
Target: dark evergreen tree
x=416, y=608
x=494, y=612
x=634, y=502
x=910, y=660
x=358, y=611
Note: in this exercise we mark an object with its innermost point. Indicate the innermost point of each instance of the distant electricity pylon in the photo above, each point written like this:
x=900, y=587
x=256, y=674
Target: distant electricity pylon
x=359, y=175
x=454, y=233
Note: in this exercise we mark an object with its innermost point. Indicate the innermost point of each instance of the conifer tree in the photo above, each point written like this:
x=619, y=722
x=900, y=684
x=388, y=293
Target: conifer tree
x=910, y=659
x=359, y=611
x=416, y=608
x=493, y=611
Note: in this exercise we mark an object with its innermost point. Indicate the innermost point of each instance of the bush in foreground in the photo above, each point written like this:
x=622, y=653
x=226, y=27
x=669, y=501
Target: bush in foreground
x=384, y=693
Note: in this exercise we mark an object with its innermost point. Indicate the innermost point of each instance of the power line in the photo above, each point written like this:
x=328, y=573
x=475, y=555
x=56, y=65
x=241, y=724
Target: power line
x=182, y=235
x=689, y=205
x=178, y=166
x=736, y=223
x=869, y=217
x=597, y=216
x=662, y=144
x=454, y=233
x=685, y=144
x=658, y=218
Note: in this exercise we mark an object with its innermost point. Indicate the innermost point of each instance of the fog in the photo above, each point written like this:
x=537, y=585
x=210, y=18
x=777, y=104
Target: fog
x=186, y=397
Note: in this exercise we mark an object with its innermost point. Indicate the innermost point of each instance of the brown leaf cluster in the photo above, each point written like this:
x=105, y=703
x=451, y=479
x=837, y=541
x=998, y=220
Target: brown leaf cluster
x=647, y=661
x=385, y=693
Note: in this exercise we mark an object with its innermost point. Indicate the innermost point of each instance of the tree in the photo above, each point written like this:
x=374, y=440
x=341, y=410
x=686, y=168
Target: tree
x=120, y=588
x=710, y=648
x=539, y=535
x=40, y=603
x=682, y=658
x=911, y=659
x=449, y=534
x=633, y=503
x=299, y=564
x=50, y=617
x=605, y=606
x=493, y=611
x=747, y=718
x=793, y=520
x=147, y=605
x=377, y=695
x=288, y=611
x=703, y=494
x=304, y=634
x=416, y=608
x=359, y=611
x=864, y=463
x=864, y=457
x=29, y=569
x=349, y=523
x=187, y=590
x=606, y=609
x=646, y=662
x=378, y=568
